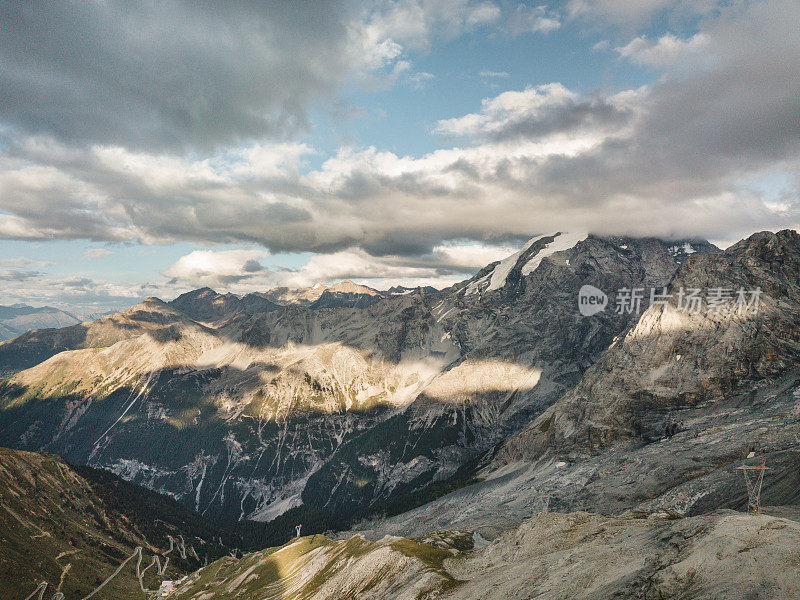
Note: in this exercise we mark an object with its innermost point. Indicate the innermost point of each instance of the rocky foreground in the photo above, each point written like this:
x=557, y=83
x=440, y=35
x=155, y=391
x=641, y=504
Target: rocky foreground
x=722, y=555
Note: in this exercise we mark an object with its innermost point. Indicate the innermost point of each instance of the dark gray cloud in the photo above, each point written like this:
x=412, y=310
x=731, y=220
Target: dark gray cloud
x=538, y=112
x=168, y=73
x=575, y=114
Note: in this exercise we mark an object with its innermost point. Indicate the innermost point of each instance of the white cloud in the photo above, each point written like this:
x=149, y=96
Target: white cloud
x=20, y=262
x=441, y=267
x=13, y=275
x=419, y=79
x=634, y=14
x=472, y=257
x=350, y=264
x=494, y=74
x=93, y=253
x=386, y=31
x=68, y=292
x=16, y=228
x=669, y=51
x=417, y=23
x=40, y=201
x=216, y=268
x=532, y=19
x=497, y=112
x=239, y=271
x=551, y=115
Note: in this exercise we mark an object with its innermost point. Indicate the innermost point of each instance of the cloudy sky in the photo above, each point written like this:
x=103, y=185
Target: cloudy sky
x=149, y=148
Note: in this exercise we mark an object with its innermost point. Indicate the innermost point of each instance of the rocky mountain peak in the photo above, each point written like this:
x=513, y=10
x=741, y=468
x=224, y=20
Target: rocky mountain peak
x=577, y=250
x=349, y=287
x=199, y=293
x=769, y=255
x=495, y=276
x=401, y=290
x=151, y=310
x=206, y=305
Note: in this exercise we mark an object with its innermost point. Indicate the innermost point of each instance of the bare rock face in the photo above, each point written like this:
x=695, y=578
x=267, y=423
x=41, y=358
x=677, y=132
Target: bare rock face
x=673, y=358
x=241, y=408
x=247, y=410
x=318, y=567
x=521, y=344
x=664, y=419
x=343, y=294
x=666, y=416
x=583, y=555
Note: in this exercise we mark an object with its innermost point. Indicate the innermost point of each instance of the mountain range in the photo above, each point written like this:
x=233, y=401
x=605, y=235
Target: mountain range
x=242, y=408
x=466, y=411
x=19, y=318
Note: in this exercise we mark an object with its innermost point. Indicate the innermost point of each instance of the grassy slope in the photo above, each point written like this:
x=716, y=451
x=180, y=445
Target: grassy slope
x=72, y=527
x=316, y=566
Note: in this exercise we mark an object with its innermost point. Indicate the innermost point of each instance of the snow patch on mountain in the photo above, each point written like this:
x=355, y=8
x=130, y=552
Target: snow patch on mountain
x=498, y=276
x=475, y=286
x=686, y=248
x=563, y=241
x=502, y=270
